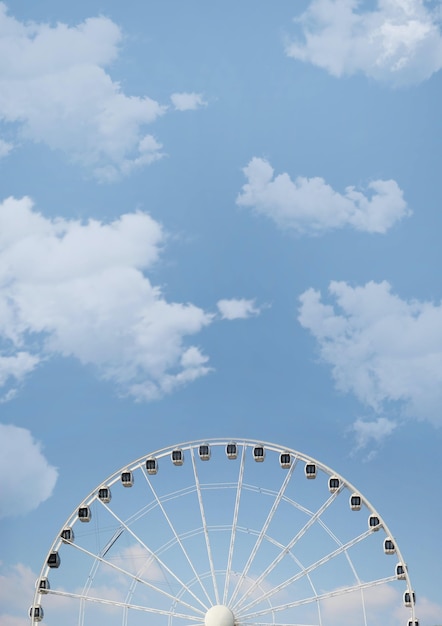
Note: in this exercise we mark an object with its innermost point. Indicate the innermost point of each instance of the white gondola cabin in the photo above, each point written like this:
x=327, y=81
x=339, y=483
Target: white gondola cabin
x=127, y=478
x=310, y=470
x=409, y=599
x=355, y=502
x=43, y=585
x=285, y=460
x=151, y=466
x=259, y=453
x=54, y=560
x=36, y=613
x=232, y=450
x=374, y=523
x=84, y=514
x=333, y=484
x=67, y=534
x=400, y=571
x=104, y=494
x=389, y=547
x=204, y=452
x=413, y=622
x=177, y=456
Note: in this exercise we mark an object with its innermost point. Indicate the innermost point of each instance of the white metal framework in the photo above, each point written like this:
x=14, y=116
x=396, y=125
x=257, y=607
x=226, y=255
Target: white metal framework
x=224, y=533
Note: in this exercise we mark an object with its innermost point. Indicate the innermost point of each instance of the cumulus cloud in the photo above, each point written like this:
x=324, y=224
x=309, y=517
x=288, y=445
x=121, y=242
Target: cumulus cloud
x=54, y=88
x=380, y=347
x=187, y=101
x=311, y=206
x=398, y=42
x=32, y=480
x=237, y=308
x=80, y=290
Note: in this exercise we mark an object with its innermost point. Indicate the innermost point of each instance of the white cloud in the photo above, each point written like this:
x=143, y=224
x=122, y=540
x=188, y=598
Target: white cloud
x=30, y=477
x=16, y=592
x=376, y=431
x=17, y=585
x=187, y=101
x=237, y=308
x=381, y=348
x=17, y=366
x=399, y=42
x=5, y=148
x=53, y=85
x=10, y=620
x=383, y=604
x=139, y=562
x=79, y=290
x=310, y=205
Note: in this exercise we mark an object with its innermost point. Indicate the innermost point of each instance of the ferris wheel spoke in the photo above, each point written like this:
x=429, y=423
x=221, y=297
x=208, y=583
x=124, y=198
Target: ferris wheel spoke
x=148, y=550
x=313, y=518
x=118, y=603
x=300, y=565
x=234, y=524
x=178, y=540
x=134, y=577
x=350, y=562
x=307, y=570
x=324, y=596
x=262, y=534
x=205, y=529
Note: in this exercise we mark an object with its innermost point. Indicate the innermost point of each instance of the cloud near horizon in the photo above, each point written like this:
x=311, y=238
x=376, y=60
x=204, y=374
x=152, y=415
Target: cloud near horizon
x=80, y=290
x=382, y=604
x=55, y=89
x=398, y=42
x=311, y=206
x=380, y=348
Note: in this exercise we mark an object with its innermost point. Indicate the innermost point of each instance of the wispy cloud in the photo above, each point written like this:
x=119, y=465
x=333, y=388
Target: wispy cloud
x=380, y=347
x=80, y=289
x=311, y=206
x=31, y=478
x=397, y=42
x=368, y=432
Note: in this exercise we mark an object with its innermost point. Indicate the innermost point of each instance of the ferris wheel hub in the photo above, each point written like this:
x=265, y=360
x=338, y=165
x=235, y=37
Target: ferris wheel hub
x=219, y=615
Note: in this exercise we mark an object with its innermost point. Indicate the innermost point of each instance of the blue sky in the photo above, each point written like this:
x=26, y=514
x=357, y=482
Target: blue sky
x=219, y=221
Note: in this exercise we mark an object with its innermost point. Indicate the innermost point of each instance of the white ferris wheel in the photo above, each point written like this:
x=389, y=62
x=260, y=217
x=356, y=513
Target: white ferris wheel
x=224, y=533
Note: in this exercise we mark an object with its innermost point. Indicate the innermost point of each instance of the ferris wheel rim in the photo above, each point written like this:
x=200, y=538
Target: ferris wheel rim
x=244, y=443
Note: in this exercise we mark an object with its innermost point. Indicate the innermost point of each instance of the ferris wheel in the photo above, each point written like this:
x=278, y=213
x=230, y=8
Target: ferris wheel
x=224, y=533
